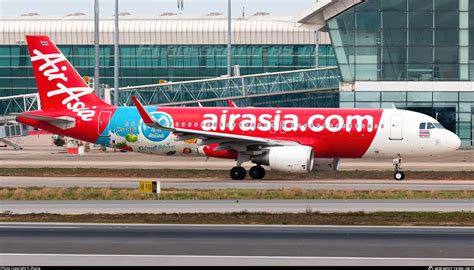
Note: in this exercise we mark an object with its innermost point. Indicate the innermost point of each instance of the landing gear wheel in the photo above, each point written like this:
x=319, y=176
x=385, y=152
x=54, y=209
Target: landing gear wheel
x=257, y=172
x=399, y=176
x=238, y=173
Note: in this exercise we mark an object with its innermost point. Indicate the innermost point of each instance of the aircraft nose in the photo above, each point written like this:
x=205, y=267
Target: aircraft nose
x=453, y=141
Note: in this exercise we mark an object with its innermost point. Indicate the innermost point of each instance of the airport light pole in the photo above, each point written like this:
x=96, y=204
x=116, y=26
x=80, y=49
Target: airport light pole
x=96, y=49
x=116, y=56
x=229, y=37
x=317, y=48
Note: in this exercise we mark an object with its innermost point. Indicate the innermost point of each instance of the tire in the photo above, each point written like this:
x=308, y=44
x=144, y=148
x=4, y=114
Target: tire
x=399, y=176
x=238, y=173
x=257, y=172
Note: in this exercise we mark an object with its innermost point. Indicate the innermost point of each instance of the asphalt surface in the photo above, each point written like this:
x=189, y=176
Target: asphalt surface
x=107, y=244
x=225, y=206
x=180, y=183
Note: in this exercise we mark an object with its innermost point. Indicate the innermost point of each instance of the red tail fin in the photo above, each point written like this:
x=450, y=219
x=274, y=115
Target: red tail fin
x=59, y=84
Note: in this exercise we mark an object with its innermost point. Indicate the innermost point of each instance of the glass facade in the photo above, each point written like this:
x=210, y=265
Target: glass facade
x=452, y=109
x=148, y=64
x=405, y=40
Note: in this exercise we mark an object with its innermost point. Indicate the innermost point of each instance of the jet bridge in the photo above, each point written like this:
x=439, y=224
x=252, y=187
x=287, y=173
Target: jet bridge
x=293, y=87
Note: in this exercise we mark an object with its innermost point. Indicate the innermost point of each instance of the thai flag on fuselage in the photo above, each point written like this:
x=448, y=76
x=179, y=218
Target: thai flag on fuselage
x=424, y=133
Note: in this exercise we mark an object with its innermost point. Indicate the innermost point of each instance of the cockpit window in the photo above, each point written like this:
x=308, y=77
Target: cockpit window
x=438, y=125
x=431, y=126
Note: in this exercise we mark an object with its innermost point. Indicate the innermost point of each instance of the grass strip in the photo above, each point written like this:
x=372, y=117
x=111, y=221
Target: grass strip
x=314, y=218
x=78, y=193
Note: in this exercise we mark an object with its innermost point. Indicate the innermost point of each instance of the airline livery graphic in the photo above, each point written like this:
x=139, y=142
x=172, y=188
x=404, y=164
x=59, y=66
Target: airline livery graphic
x=157, y=135
x=284, y=139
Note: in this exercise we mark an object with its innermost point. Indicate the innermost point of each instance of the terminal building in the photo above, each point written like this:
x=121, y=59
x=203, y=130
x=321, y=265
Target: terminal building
x=411, y=54
x=169, y=49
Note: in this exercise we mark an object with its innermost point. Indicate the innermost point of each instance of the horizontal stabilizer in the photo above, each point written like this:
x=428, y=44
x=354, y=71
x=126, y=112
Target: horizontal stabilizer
x=62, y=122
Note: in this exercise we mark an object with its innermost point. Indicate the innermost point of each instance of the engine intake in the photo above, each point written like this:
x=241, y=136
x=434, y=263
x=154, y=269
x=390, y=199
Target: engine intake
x=296, y=159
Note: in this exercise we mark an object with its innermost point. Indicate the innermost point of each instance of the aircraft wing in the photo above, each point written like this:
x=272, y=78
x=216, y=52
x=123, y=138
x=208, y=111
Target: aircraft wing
x=218, y=137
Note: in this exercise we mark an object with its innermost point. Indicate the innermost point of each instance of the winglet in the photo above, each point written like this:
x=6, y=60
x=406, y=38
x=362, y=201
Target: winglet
x=148, y=119
x=231, y=103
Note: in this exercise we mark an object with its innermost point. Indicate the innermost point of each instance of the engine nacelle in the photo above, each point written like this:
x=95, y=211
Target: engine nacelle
x=326, y=164
x=295, y=159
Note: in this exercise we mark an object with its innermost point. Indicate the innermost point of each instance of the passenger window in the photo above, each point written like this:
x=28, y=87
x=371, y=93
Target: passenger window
x=177, y=124
x=423, y=126
x=431, y=126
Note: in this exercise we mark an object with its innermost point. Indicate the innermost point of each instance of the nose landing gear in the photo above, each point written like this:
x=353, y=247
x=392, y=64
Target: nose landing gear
x=398, y=174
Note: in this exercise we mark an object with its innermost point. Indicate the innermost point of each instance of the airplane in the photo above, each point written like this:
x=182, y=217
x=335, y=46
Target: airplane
x=296, y=140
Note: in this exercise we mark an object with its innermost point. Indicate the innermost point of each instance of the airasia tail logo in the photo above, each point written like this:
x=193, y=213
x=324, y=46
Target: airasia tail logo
x=72, y=101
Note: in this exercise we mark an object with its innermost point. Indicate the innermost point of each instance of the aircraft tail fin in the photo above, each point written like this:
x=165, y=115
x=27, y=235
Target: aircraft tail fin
x=59, y=85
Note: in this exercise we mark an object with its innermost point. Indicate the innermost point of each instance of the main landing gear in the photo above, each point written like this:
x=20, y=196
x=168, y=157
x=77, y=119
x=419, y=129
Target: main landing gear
x=257, y=172
x=398, y=174
x=239, y=173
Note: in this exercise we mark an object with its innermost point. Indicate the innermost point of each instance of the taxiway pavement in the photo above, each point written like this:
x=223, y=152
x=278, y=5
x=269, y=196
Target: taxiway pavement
x=183, y=183
x=122, y=244
x=227, y=206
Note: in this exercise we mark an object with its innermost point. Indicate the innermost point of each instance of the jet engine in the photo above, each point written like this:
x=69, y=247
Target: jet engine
x=295, y=159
